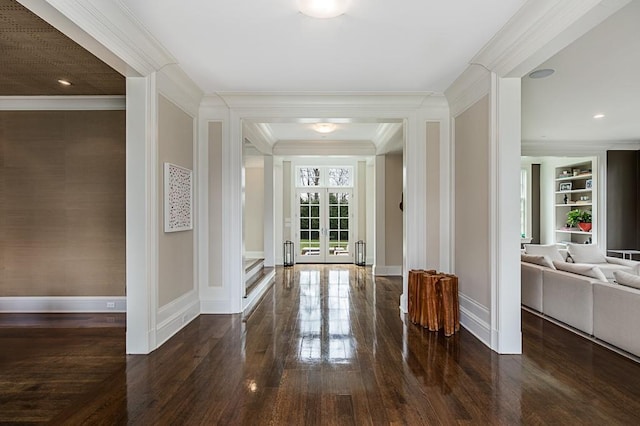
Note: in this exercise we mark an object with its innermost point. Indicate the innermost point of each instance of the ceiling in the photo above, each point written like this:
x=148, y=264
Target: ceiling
x=378, y=45
x=597, y=74
x=35, y=56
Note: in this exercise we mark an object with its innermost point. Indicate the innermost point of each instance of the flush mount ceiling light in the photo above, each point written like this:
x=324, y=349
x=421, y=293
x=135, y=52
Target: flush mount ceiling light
x=598, y=116
x=324, y=127
x=64, y=82
x=543, y=73
x=323, y=9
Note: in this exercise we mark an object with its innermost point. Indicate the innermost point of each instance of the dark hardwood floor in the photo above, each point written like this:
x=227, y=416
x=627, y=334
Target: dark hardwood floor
x=325, y=346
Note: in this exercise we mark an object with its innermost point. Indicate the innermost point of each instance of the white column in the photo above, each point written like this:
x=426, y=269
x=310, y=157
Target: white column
x=269, y=248
x=415, y=195
x=380, y=203
x=278, y=230
x=141, y=214
x=506, y=337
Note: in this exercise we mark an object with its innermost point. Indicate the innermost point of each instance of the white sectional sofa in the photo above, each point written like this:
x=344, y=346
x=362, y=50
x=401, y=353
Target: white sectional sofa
x=590, y=303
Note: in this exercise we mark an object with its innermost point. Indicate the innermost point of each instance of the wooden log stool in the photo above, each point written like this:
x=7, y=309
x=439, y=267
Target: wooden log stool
x=433, y=301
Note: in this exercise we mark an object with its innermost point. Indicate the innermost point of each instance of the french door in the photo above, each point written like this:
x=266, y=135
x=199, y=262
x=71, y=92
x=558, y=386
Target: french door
x=325, y=225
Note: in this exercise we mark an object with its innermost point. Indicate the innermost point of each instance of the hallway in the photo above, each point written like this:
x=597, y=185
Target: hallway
x=325, y=346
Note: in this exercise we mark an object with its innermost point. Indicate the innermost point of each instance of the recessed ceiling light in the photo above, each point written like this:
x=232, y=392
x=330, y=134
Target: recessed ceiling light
x=323, y=9
x=324, y=127
x=64, y=82
x=543, y=73
x=598, y=116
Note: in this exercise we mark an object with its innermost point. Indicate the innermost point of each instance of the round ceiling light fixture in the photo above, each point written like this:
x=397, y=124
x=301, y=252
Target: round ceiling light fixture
x=64, y=82
x=323, y=9
x=324, y=127
x=598, y=116
x=543, y=73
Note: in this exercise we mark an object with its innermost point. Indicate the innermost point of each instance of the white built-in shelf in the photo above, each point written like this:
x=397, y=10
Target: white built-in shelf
x=562, y=179
x=569, y=231
x=574, y=205
x=574, y=191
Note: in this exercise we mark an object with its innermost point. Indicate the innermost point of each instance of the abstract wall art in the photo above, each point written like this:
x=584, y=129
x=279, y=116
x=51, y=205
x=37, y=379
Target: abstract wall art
x=178, y=198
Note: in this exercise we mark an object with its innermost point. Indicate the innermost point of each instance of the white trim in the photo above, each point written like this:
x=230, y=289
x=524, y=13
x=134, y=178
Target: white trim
x=386, y=270
x=325, y=101
x=534, y=148
x=63, y=304
x=252, y=299
x=112, y=25
x=176, y=315
x=475, y=318
x=62, y=103
x=539, y=30
x=218, y=306
x=254, y=255
x=179, y=89
x=472, y=85
x=324, y=148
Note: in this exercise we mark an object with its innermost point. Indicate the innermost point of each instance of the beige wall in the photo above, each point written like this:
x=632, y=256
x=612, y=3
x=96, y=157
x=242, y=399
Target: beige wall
x=175, y=249
x=472, y=202
x=393, y=214
x=62, y=203
x=215, y=207
x=254, y=209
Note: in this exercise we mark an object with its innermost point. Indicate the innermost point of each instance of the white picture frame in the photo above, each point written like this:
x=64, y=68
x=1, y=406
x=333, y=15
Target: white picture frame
x=178, y=198
x=565, y=186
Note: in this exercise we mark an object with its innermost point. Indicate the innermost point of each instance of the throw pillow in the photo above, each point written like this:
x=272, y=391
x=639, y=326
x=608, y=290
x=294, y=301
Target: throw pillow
x=591, y=271
x=585, y=253
x=625, y=278
x=550, y=250
x=537, y=259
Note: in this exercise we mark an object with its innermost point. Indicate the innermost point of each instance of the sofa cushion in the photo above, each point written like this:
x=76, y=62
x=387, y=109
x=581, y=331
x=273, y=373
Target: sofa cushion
x=608, y=269
x=538, y=259
x=591, y=271
x=585, y=253
x=550, y=250
x=625, y=278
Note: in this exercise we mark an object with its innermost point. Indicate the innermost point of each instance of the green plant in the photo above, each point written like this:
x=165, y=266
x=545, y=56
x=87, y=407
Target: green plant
x=574, y=217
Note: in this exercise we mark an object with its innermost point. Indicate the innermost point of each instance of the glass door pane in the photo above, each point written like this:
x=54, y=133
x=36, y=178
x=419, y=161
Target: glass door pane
x=309, y=243
x=339, y=226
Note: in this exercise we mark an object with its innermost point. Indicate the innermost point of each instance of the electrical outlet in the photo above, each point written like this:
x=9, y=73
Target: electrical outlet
x=111, y=305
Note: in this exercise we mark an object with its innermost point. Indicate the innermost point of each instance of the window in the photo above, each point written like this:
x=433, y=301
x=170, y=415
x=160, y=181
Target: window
x=322, y=176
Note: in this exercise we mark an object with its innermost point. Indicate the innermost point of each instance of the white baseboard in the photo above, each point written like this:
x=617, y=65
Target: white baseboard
x=64, y=304
x=386, y=270
x=175, y=315
x=475, y=318
x=216, y=307
x=254, y=255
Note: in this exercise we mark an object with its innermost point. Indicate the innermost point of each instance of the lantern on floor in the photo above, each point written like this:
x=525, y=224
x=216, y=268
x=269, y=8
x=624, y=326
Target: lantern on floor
x=288, y=253
x=361, y=253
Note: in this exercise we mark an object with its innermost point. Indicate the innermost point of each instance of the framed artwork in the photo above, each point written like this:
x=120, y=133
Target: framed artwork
x=178, y=198
x=589, y=184
x=565, y=186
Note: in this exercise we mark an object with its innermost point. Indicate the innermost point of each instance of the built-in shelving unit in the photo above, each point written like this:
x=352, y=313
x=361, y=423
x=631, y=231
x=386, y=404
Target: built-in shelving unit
x=574, y=189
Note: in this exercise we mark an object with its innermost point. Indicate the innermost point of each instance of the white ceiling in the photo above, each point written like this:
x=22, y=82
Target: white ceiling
x=378, y=45
x=598, y=73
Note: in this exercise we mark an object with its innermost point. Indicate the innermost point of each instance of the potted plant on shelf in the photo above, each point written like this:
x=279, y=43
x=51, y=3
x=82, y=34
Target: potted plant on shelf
x=573, y=218
x=585, y=221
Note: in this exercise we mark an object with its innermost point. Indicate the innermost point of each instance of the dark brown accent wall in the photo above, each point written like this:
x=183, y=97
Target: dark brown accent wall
x=623, y=214
x=535, y=203
x=62, y=203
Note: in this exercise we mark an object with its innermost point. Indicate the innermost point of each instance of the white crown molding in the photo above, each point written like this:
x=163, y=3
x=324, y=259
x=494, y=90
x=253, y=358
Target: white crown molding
x=540, y=29
x=266, y=132
x=472, y=85
x=111, y=24
x=535, y=148
x=252, y=132
x=62, y=103
x=324, y=148
x=177, y=86
x=64, y=304
x=318, y=100
x=385, y=133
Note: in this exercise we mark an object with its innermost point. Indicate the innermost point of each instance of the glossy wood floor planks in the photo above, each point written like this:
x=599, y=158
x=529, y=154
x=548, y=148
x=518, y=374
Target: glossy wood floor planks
x=326, y=346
